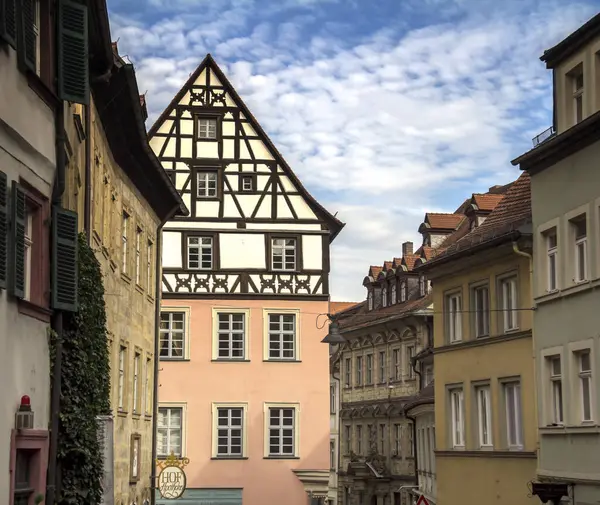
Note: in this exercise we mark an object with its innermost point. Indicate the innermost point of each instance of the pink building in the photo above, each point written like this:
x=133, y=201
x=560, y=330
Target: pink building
x=244, y=388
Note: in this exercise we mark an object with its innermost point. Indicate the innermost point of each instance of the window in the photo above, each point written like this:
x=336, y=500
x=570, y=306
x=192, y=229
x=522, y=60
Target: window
x=231, y=338
x=348, y=369
x=580, y=230
x=169, y=431
x=369, y=369
x=397, y=366
x=512, y=399
x=457, y=410
x=556, y=389
x=422, y=285
x=552, y=253
x=28, y=236
x=382, y=439
x=397, y=439
x=136, y=373
x=585, y=384
x=248, y=183
x=384, y=297
x=411, y=442
x=359, y=370
x=577, y=86
x=370, y=300
x=282, y=428
x=147, y=388
x=207, y=184
x=283, y=254
x=36, y=32
x=207, y=128
x=382, y=367
x=410, y=354
x=359, y=439
x=282, y=336
x=200, y=253
x=427, y=375
x=508, y=303
x=149, y=267
x=23, y=487
x=332, y=457
x=481, y=310
x=229, y=431
x=121, y=379
x=172, y=334
x=484, y=416
x=332, y=399
x=394, y=293
x=403, y=292
x=124, y=232
x=138, y=255
x=348, y=433
x=454, y=317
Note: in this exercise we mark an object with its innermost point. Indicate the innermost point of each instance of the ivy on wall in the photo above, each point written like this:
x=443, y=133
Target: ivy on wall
x=85, y=392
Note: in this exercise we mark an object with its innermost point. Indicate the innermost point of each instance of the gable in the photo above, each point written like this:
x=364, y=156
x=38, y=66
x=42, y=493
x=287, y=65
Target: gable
x=254, y=182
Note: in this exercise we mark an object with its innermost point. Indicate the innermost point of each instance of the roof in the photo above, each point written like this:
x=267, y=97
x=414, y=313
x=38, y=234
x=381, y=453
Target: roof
x=423, y=397
x=100, y=47
x=443, y=221
x=566, y=47
x=511, y=213
x=335, y=307
x=334, y=224
x=486, y=201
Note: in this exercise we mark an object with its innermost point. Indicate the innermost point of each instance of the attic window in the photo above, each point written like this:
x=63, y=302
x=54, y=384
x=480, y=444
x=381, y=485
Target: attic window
x=422, y=284
x=403, y=291
x=248, y=183
x=370, y=300
x=207, y=128
x=577, y=83
x=384, y=297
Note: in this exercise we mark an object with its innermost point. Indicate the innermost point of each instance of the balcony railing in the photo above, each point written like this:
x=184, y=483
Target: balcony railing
x=548, y=133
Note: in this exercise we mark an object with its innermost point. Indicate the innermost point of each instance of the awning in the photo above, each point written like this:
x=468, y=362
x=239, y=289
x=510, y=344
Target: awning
x=204, y=496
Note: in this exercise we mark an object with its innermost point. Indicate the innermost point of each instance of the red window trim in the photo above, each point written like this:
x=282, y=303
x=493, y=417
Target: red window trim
x=31, y=440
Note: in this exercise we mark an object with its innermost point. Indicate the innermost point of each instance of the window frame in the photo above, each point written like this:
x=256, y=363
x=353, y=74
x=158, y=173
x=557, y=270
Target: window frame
x=125, y=232
x=384, y=299
x=453, y=327
x=397, y=363
x=296, y=430
x=422, y=285
x=216, y=406
x=348, y=372
x=332, y=398
x=369, y=359
x=403, y=290
x=503, y=313
x=484, y=424
x=552, y=259
x=136, y=405
x=382, y=367
x=394, y=293
x=369, y=300
x=186, y=311
x=575, y=349
x=247, y=177
x=215, y=260
x=266, y=334
x=580, y=246
x=208, y=169
x=139, y=234
x=198, y=116
x=585, y=376
x=477, y=313
x=122, y=363
x=150, y=267
x=216, y=312
x=514, y=383
x=298, y=257
x=182, y=428
x=577, y=93
x=358, y=379
x=410, y=352
x=457, y=416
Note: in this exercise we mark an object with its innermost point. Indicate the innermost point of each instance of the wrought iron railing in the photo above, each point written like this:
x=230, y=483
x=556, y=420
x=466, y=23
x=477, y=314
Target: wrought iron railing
x=548, y=133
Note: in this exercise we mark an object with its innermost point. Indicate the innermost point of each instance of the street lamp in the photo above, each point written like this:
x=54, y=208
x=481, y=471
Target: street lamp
x=334, y=336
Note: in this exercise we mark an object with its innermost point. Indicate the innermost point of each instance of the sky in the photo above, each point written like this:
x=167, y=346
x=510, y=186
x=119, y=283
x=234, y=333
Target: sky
x=385, y=109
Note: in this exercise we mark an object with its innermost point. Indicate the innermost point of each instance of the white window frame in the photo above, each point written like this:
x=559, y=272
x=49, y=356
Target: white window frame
x=370, y=299
x=359, y=439
x=411, y=442
x=384, y=296
x=394, y=295
x=359, y=371
x=577, y=95
x=202, y=246
x=515, y=401
x=169, y=332
x=481, y=308
x=295, y=435
x=369, y=369
x=454, y=317
x=182, y=407
x=207, y=184
x=122, y=371
x=229, y=427
x=576, y=410
x=124, y=238
x=397, y=362
x=509, y=285
x=457, y=419
x=28, y=246
x=580, y=254
x=557, y=398
x=403, y=291
x=247, y=178
x=281, y=246
x=410, y=353
x=137, y=358
x=585, y=377
x=348, y=372
x=147, y=389
x=551, y=260
x=332, y=399
x=382, y=367
x=484, y=415
x=397, y=440
x=332, y=455
x=382, y=444
x=207, y=128
x=138, y=255
x=267, y=313
x=422, y=285
x=217, y=312
x=149, y=264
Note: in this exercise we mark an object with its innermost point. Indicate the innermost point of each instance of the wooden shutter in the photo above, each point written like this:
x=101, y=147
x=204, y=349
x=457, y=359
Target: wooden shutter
x=64, y=259
x=26, y=47
x=8, y=22
x=17, y=263
x=73, y=72
x=3, y=230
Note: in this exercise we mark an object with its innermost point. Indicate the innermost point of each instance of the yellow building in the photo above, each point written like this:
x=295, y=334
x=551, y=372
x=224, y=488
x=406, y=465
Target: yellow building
x=485, y=414
x=122, y=206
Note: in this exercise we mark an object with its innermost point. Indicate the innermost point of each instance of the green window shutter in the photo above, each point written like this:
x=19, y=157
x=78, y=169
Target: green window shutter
x=26, y=47
x=8, y=22
x=64, y=259
x=17, y=266
x=3, y=230
x=73, y=72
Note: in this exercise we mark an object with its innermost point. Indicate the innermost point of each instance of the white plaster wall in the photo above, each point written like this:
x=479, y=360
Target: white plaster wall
x=27, y=143
x=312, y=251
x=171, y=249
x=242, y=250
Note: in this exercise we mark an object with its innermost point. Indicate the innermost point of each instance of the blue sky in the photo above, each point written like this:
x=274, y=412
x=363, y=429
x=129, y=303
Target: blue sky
x=386, y=109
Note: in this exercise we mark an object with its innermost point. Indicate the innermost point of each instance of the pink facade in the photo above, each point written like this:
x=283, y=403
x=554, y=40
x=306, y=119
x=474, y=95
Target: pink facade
x=200, y=382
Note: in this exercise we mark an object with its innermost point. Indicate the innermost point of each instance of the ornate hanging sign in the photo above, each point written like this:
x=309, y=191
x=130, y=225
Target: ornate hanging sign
x=171, y=479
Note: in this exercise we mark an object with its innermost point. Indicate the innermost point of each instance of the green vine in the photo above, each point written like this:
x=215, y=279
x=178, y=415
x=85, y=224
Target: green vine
x=85, y=391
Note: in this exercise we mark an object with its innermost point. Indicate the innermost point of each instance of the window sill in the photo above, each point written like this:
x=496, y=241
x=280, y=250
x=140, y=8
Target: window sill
x=228, y=458
x=31, y=309
x=44, y=92
x=122, y=413
x=230, y=360
x=583, y=429
x=275, y=360
x=173, y=359
x=281, y=457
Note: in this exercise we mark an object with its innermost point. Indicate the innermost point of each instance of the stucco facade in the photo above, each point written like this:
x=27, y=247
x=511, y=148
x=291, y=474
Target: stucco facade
x=27, y=156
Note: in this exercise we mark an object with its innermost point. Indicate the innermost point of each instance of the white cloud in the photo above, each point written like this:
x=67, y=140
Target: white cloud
x=378, y=128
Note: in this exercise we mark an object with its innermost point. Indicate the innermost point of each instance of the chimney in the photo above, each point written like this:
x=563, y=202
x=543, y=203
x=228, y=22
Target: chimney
x=407, y=248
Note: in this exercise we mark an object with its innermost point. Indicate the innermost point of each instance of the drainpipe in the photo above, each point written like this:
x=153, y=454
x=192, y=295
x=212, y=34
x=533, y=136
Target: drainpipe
x=157, y=298
x=339, y=422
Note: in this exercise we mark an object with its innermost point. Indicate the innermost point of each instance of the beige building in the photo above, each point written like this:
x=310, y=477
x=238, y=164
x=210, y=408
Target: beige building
x=122, y=206
x=565, y=188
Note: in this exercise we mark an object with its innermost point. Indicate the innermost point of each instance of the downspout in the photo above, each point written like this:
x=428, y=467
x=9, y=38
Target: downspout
x=157, y=302
x=339, y=422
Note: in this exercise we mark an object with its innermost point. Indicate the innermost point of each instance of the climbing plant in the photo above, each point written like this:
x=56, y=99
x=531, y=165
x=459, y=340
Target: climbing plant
x=85, y=387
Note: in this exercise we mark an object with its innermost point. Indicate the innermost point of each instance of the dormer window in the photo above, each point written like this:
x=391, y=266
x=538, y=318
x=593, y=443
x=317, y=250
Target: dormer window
x=384, y=297
x=473, y=225
x=370, y=300
x=394, y=294
x=422, y=285
x=577, y=86
x=403, y=291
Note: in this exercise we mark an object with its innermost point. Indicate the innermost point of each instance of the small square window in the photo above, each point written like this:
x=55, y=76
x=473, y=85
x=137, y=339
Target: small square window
x=207, y=128
x=283, y=254
x=200, y=253
x=248, y=183
x=207, y=184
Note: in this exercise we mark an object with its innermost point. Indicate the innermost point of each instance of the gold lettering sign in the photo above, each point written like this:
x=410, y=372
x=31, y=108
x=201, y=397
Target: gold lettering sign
x=171, y=479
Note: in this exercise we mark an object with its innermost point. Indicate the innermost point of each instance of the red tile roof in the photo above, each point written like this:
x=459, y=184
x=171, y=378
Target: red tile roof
x=409, y=261
x=335, y=307
x=487, y=201
x=443, y=221
x=374, y=271
x=387, y=265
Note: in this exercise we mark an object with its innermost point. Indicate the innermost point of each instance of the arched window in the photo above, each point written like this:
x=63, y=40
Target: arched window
x=370, y=300
x=394, y=295
x=384, y=297
x=403, y=291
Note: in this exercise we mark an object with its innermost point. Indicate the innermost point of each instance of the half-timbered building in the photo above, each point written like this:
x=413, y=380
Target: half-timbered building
x=244, y=390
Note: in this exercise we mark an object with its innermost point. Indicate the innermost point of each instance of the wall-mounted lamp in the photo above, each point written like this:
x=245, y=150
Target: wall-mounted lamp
x=24, y=415
x=334, y=336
